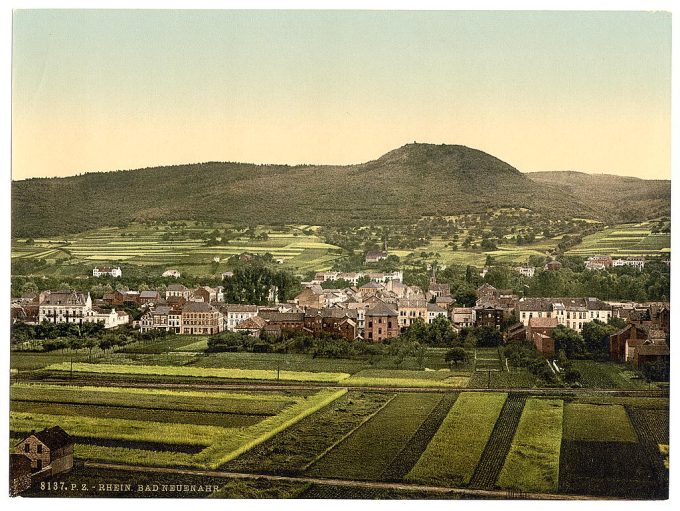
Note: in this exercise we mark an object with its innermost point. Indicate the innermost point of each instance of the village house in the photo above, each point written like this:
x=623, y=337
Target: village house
x=599, y=262
x=553, y=266
x=235, y=313
x=526, y=270
x=634, y=261
x=650, y=352
x=570, y=312
x=150, y=296
x=155, y=319
x=410, y=311
x=251, y=326
x=279, y=323
x=623, y=343
x=20, y=478
x=178, y=290
x=341, y=322
x=434, y=311
x=489, y=315
x=201, y=318
x=65, y=307
x=311, y=296
x=373, y=256
x=207, y=294
x=171, y=273
x=49, y=450
x=109, y=319
x=101, y=271
x=381, y=323
x=539, y=332
x=462, y=317
x=371, y=289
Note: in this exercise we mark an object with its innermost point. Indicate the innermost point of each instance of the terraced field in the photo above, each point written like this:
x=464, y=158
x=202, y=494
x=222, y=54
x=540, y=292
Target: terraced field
x=162, y=245
x=624, y=240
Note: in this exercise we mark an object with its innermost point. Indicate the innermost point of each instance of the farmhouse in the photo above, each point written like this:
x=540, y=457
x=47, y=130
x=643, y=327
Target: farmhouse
x=50, y=449
x=101, y=271
x=623, y=343
x=151, y=296
x=341, y=322
x=374, y=256
x=171, y=273
x=598, y=262
x=553, y=266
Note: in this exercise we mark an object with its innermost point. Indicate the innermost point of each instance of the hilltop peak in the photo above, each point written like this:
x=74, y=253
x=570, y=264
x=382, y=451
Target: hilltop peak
x=450, y=156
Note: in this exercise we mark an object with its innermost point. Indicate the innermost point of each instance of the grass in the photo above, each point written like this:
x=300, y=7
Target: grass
x=597, y=423
x=260, y=489
x=623, y=240
x=533, y=463
x=174, y=343
x=200, y=372
x=407, y=378
x=453, y=453
x=161, y=399
x=370, y=450
x=271, y=361
x=608, y=375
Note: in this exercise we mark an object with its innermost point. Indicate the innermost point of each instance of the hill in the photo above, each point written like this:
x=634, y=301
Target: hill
x=401, y=186
x=626, y=199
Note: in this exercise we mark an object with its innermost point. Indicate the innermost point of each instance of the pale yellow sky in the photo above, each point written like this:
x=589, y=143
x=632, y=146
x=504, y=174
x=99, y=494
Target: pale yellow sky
x=96, y=91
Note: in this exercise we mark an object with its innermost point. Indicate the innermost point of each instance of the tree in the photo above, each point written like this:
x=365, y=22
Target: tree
x=465, y=296
x=29, y=287
x=456, y=355
x=596, y=336
x=569, y=341
x=571, y=376
x=489, y=337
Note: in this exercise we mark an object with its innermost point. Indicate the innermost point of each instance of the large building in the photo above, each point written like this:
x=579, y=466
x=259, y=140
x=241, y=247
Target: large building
x=101, y=271
x=201, y=318
x=381, y=323
x=570, y=312
x=235, y=313
x=65, y=307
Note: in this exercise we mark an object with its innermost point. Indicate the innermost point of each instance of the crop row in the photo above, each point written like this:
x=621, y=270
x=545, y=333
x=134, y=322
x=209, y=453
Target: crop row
x=369, y=450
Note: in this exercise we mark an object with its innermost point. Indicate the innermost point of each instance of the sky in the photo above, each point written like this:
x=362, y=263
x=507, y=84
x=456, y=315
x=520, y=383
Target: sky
x=98, y=90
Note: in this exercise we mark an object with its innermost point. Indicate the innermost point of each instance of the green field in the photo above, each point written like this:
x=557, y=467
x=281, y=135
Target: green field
x=198, y=372
x=134, y=438
x=453, y=453
x=406, y=378
x=597, y=423
x=624, y=240
x=533, y=463
x=608, y=375
x=370, y=449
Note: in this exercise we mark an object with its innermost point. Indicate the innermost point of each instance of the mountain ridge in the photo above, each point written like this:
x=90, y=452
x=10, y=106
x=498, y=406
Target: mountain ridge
x=400, y=186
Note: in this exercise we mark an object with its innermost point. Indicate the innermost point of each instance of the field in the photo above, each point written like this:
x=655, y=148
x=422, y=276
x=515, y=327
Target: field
x=164, y=245
x=136, y=439
x=533, y=463
x=608, y=375
x=597, y=423
x=624, y=240
x=406, y=378
x=444, y=461
x=360, y=456
x=198, y=372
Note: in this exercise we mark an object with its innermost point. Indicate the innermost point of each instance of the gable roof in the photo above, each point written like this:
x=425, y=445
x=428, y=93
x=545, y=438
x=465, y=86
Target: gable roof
x=54, y=437
x=252, y=323
x=64, y=298
x=381, y=309
x=543, y=322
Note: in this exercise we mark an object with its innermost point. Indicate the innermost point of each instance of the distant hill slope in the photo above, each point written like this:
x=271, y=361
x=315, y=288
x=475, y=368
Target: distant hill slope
x=626, y=199
x=400, y=186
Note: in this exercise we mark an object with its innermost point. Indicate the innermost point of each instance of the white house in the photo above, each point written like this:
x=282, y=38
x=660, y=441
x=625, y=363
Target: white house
x=171, y=273
x=636, y=261
x=65, y=307
x=235, y=313
x=526, y=270
x=100, y=271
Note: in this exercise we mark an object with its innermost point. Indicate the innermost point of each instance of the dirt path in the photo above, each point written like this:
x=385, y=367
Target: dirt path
x=464, y=492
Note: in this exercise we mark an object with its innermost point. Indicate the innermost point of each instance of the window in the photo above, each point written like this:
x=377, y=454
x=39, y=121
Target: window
x=39, y=447
x=27, y=447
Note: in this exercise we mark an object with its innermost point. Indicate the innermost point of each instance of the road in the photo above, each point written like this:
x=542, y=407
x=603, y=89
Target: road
x=463, y=492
